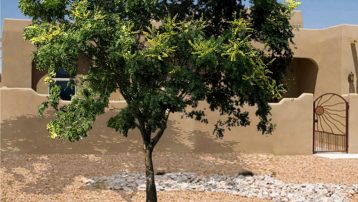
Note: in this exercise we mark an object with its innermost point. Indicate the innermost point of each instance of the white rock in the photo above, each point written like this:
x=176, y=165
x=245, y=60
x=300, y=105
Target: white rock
x=264, y=186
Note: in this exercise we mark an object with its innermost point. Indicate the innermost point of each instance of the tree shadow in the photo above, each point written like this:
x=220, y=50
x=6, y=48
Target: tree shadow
x=205, y=142
x=182, y=135
x=26, y=146
x=28, y=135
x=27, y=150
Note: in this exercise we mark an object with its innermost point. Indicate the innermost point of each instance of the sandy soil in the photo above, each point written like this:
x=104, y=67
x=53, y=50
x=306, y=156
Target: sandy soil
x=59, y=177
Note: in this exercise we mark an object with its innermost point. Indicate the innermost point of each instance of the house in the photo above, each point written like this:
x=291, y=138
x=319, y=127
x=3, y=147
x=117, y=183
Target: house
x=319, y=112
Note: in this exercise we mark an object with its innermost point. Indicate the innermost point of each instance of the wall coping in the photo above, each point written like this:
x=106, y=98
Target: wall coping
x=4, y=88
x=330, y=27
x=285, y=100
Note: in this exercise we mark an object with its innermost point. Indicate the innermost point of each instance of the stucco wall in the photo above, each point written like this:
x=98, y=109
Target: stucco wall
x=293, y=133
x=23, y=131
x=349, y=58
x=19, y=102
x=17, y=55
x=332, y=50
x=19, y=71
x=353, y=123
x=296, y=20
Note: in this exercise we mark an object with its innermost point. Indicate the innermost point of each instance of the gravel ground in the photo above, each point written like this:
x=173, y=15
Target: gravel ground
x=59, y=177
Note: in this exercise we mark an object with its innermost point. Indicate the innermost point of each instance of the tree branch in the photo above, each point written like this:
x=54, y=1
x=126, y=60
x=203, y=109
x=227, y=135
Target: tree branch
x=160, y=133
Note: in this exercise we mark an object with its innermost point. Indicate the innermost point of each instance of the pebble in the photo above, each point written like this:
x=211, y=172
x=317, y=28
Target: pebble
x=261, y=186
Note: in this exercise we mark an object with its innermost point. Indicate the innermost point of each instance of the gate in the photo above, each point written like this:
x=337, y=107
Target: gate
x=330, y=124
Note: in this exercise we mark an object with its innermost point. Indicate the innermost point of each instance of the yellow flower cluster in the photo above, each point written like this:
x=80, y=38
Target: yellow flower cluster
x=52, y=129
x=292, y=4
x=45, y=35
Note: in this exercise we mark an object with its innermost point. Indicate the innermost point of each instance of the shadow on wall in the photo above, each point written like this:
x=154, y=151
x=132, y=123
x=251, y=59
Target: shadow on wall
x=353, y=89
x=36, y=80
x=301, y=77
x=28, y=135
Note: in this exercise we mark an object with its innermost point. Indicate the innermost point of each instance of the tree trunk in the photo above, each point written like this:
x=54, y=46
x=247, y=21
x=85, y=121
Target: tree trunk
x=151, y=192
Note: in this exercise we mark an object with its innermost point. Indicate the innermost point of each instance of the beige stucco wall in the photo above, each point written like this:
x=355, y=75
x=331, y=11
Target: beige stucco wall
x=353, y=122
x=18, y=68
x=17, y=55
x=23, y=131
x=331, y=49
x=289, y=137
x=349, y=59
x=296, y=19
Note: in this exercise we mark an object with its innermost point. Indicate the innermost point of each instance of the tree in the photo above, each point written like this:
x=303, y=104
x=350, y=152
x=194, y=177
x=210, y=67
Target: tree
x=201, y=51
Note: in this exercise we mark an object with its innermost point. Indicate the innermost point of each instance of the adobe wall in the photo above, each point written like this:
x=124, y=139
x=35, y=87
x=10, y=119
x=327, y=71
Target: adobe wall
x=334, y=51
x=349, y=59
x=353, y=123
x=17, y=55
x=293, y=133
x=19, y=71
x=296, y=19
x=23, y=131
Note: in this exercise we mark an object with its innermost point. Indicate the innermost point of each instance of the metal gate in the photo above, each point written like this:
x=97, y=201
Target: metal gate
x=330, y=124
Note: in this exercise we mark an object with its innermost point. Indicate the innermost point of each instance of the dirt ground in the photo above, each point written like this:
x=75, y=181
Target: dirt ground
x=58, y=177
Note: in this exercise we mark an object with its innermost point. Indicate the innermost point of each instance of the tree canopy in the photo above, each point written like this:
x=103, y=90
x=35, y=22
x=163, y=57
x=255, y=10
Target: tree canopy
x=196, y=51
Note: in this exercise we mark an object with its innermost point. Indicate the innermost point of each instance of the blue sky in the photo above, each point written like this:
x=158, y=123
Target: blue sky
x=316, y=13
x=325, y=13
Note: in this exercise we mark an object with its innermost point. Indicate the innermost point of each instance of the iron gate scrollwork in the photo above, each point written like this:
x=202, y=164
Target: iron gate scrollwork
x=330, y=127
